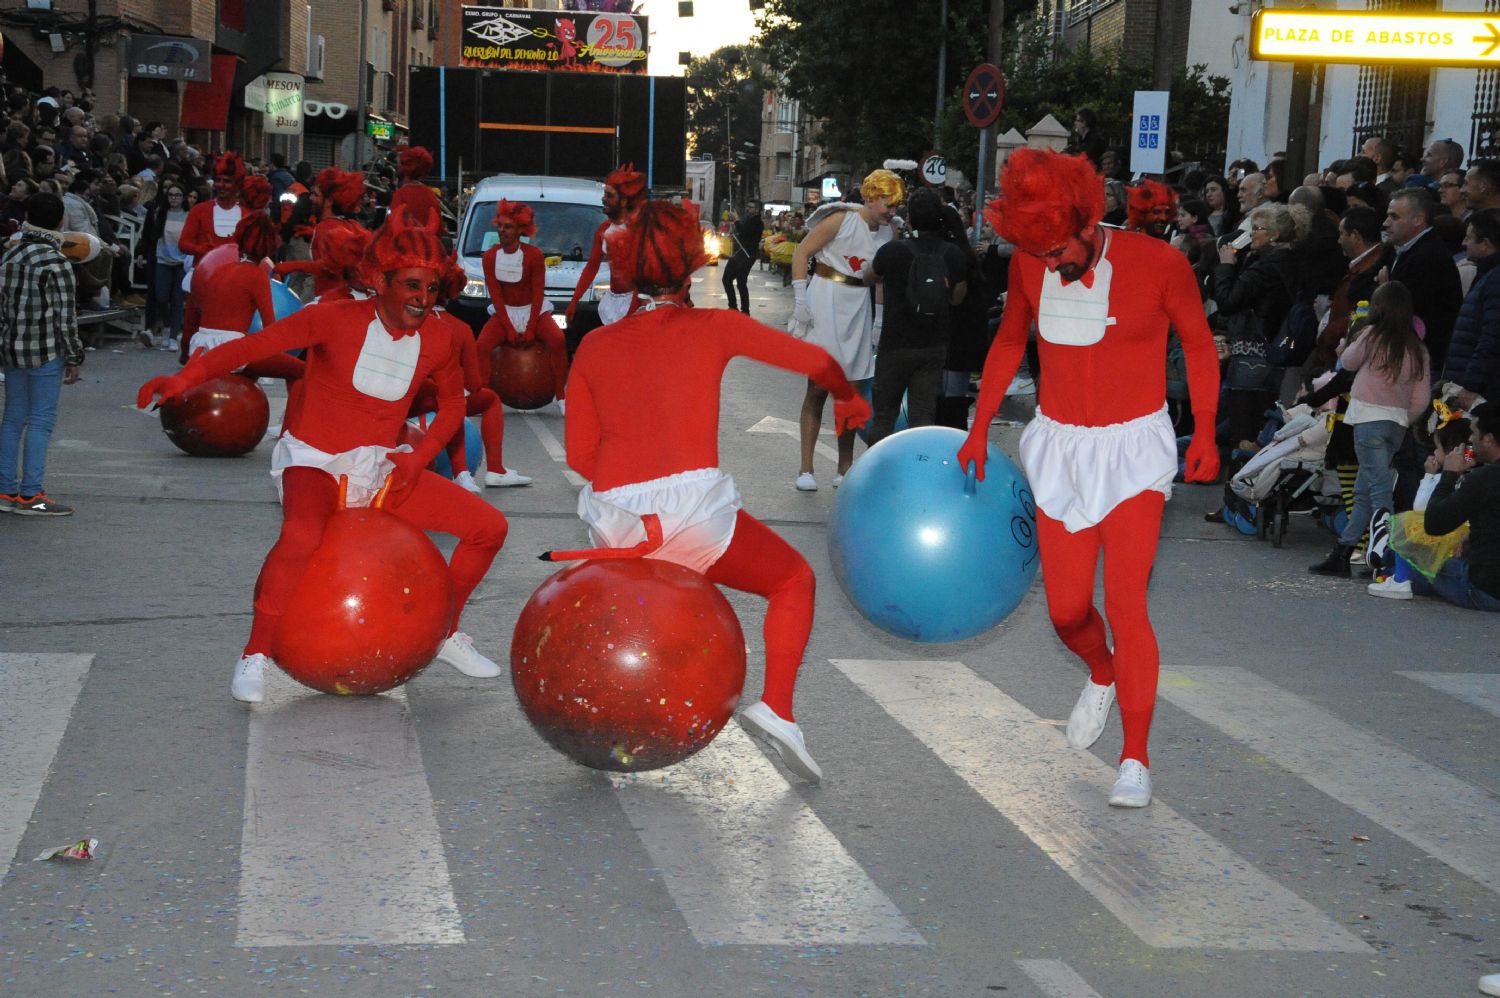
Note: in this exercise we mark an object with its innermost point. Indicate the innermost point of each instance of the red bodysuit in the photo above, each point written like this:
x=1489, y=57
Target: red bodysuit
x=676, y=358
x=1118, y=379
x=356, y=395
x=198, y=232
x=228, y=302
x=510, y=298
x=481, y=400
x=621, y=300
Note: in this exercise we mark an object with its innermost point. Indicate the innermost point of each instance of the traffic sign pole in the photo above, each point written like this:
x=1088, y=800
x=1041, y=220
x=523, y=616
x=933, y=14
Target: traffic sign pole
x=984, y=96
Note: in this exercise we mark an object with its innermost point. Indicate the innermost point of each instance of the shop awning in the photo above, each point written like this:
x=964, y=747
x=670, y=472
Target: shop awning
x=206, y=105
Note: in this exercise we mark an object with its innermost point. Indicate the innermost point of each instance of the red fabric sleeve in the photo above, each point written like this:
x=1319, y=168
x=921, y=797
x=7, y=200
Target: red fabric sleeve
x=198, y=230
x=292, y=333
x=536, y=277
x=467, y=352
x=264, y=303
x=1010, y=343
x=744, y=337
x=450, y=411
x=1185, y=308
x=590, y=269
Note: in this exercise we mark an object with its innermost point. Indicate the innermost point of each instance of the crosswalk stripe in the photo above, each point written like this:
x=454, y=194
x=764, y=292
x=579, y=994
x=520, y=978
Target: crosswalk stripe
x=790, y=428
x=1478, y=689
x=554, y=447
x=37, y=696
x=747, y=862
x=1166, y=879
x=340, y=843
x=1435, y=811
x=1057, y=979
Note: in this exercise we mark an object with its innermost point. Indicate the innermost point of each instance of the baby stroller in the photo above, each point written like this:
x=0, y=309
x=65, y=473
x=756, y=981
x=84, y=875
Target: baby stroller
x=1287, y=475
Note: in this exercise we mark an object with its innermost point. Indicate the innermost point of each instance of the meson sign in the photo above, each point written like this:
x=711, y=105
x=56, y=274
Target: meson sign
x=1364, y=37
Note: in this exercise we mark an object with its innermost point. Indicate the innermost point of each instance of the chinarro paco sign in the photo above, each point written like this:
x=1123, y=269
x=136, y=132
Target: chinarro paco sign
x=283, y=103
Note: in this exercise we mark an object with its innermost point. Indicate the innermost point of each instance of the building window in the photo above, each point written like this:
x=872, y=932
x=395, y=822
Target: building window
x=783, y=166
x=1391, y=101
x=786, y=115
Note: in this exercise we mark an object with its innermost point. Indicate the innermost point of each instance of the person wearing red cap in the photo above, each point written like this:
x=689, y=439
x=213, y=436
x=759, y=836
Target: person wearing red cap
x=624, y=191
x=414, y=196
x=1151, y=207
x=655, y=487
x=1100, y=453
x=515, y=274
x=366, y=360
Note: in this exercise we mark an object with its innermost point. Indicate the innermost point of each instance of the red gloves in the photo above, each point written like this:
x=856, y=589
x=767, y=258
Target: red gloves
x=973, y=450
x=168, y=387
x=1202, y=461
x=850, y=415
x=404, y=476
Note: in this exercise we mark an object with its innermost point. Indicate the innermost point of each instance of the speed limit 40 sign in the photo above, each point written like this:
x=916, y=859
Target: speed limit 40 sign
x=934, y=171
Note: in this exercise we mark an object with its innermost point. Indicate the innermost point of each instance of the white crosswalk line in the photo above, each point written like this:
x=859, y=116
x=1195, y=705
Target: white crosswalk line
x=340, y=844
x=748, y=862
x=787, y=427
x=1057, y=979
x=1478, y=689
x=553, y=446
x=1447, y=818
x=1166, y=879
x=37, y=696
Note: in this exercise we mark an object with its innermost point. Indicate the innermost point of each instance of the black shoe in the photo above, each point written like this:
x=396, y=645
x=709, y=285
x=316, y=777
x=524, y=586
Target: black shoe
x=1336, y=564
x=40, y=505
x=1217, y=516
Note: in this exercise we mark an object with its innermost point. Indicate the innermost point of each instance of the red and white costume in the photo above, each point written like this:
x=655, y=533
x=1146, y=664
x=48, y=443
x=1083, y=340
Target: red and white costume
x=516, y=278
x=1101, y=454
x=619, y=301
x=413, y=196
x=479, y=399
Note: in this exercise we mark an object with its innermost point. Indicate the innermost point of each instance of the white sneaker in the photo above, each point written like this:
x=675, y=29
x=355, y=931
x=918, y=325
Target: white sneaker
x=144, y=338
x=170, y=343
x=458, y=651
x=784, y=736
x=249, y=682
x=465, y=481
x=510, y=478
x=562, y=406
x=1390, y=589
x=838, y=480
x=1133, y=787
x=1021, y=384
x=1090, y=714
x=806, y=482
x=1357, y=557
x=1489, y=984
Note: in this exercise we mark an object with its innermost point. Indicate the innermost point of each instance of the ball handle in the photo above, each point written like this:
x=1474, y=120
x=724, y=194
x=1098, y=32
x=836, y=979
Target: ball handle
x=971, y=479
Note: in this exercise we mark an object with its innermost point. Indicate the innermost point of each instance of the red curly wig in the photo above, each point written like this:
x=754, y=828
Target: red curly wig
x=230, y=165
x=659, y=250
x=256, y=236
x=402, y=243
x=341, y=191
x=338, y=248
x=454, y=280
x=1046, y=198
x=1146, y=198
x=255, y=193
x=518, y=212
x=629, y=184
x=414, y=163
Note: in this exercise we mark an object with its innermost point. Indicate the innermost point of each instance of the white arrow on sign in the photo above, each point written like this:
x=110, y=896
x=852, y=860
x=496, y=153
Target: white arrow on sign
x=775, y=424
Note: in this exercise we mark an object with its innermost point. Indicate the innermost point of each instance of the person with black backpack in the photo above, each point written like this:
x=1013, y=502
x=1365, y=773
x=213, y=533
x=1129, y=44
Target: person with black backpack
x=920, y=278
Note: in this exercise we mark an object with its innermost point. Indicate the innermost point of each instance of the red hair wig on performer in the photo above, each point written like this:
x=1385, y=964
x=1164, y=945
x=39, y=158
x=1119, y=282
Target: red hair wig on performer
x=629, y=184
x=414, y=163
x=659, y=250
x=518, y=212
x=402, y=243
x=338, y=248
x=256, y=234
x=341, y=191
x=255, y=193
x=454, y=280
x=230, y=167
x=1147, y=198
x=1046, y=198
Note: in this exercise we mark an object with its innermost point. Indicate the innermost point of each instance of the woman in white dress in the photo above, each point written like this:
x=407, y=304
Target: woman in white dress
x=830, y=278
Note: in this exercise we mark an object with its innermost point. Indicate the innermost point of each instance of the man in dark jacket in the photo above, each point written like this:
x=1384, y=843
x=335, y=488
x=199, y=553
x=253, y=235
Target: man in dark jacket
x=746, y=236
x=1426, y=267
x=1359, y=238
x=1474, y=355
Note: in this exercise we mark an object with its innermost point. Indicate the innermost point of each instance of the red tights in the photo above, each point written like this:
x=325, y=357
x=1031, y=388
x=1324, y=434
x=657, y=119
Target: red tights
x=310, y=497
x=1127, y=537
x=759, y=561
x=486, y=405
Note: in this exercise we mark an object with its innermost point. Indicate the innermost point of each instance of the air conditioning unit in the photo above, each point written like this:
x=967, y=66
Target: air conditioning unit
x=317, y=57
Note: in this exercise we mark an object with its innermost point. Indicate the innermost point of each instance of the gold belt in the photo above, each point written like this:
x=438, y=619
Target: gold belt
x=836, y=276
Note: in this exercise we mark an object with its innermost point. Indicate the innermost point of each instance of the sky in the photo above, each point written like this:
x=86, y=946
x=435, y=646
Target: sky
x=714, y=24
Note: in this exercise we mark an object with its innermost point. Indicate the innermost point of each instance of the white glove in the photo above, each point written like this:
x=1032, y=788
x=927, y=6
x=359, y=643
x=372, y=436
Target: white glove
x=801, y=314
x=879, y=324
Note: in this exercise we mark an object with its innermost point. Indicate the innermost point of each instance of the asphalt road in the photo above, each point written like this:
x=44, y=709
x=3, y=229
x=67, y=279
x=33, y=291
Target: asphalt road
x=1325, y=820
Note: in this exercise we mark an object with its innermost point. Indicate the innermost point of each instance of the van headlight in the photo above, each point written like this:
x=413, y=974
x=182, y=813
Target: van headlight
x=475, y=289
x=600, y=290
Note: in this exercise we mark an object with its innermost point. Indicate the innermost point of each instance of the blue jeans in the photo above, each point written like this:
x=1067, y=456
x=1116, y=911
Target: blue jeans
x=169, y=298
x=31, y=408
x=1452, y=584
x=1375, y=444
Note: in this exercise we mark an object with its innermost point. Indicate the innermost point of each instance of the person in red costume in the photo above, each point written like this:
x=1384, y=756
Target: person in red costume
x=341, y=192
x=366, y=360
x=1100, y=454
x=338, y=247
x=624, y=190
x=480, y=400
x=414, y=196
x=653, y=470
x=209, y=224
x=515, y=274
x=1151, y=207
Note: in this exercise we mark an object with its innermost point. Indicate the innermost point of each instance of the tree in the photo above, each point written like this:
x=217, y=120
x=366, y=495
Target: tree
x=724, y=97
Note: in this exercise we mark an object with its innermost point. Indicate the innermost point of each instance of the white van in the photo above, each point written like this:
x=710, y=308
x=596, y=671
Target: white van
x=568, y=213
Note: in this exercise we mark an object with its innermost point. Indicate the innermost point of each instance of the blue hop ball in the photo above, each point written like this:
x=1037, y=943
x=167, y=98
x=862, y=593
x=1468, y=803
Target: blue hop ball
x=473, y=449
x=922, y=549
x=283, y=300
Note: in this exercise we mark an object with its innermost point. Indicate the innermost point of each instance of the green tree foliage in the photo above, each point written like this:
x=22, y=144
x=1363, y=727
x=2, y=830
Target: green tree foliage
x=724, y=91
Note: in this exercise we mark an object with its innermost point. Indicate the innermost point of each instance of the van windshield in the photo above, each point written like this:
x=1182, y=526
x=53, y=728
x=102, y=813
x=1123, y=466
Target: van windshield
x=565, y=230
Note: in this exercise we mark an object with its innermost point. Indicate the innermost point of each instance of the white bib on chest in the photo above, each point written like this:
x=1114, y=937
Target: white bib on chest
x=1074, y=315
x=509, y=266
x=386, y=365
x=226, y=220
